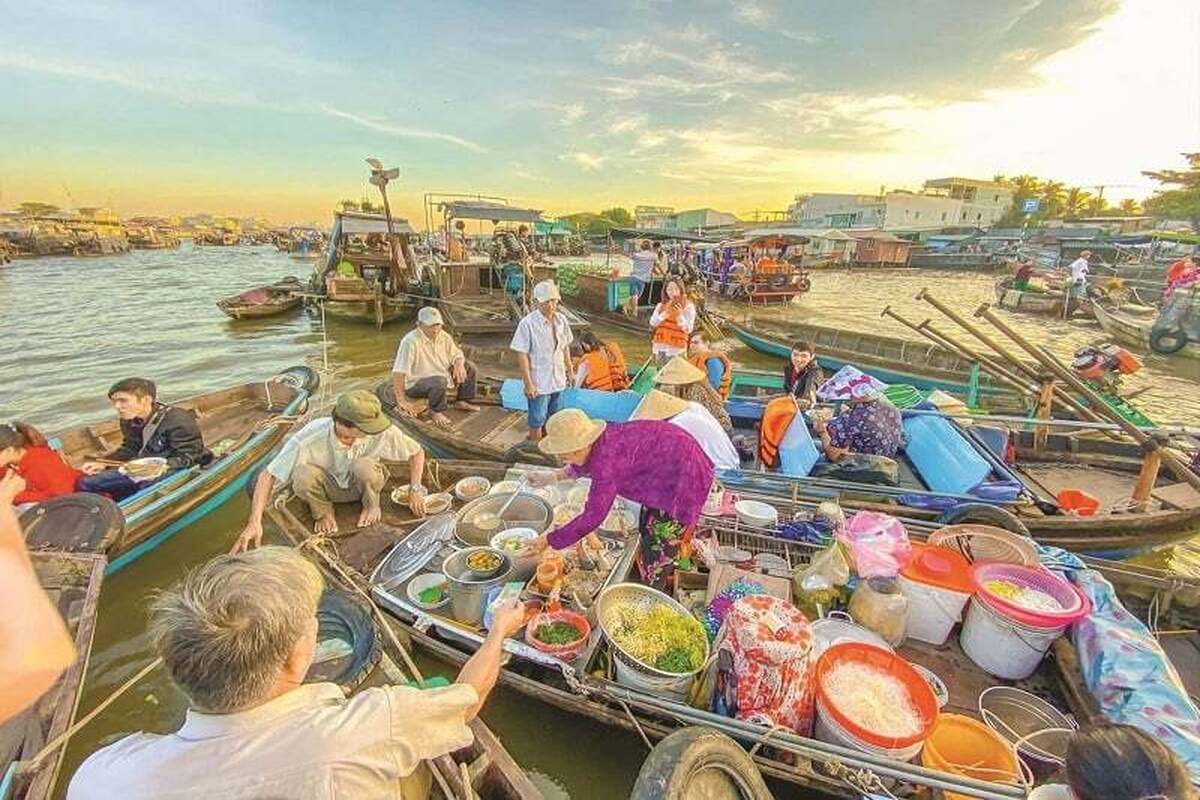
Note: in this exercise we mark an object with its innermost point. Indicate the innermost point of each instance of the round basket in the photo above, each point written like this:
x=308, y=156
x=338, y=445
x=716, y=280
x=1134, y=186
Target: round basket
x=1074, y=605
x=568, y=651
x=987, y=543
x=620, y=597
x=1038, y=730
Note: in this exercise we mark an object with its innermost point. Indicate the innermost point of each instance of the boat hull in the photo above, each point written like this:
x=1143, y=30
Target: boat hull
x=1136, y=333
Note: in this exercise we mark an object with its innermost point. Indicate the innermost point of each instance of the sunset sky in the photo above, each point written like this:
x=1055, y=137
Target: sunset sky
x=269, y=108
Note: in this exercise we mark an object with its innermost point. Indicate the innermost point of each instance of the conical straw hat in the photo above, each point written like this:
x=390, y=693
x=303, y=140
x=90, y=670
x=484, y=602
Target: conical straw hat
x=659, y=406
x=679, y=371
x=570, y=430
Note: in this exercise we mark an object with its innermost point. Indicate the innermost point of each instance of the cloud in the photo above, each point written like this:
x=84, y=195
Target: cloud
x=519, y=171
x=588, y=162
x=752, y=13
x=402, y=132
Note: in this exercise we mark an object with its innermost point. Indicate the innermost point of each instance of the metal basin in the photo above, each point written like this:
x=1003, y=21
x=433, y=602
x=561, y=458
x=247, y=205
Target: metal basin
x=527, y=510
x=468, y=592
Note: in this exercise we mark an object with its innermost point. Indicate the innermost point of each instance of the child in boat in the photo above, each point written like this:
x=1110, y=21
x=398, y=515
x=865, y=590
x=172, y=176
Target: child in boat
x=24, y=450
x=151, y=430
x=1119, y=762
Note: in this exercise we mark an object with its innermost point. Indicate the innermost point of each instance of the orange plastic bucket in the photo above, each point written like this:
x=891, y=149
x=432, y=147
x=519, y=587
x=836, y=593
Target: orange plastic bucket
x=962, y=746
x=1077, y=502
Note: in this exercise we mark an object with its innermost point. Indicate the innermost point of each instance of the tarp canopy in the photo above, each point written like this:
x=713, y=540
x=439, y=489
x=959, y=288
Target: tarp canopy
x=496, y=212
x=555, y=228
x=362, y=224
x=658, y=235
x=805, y=233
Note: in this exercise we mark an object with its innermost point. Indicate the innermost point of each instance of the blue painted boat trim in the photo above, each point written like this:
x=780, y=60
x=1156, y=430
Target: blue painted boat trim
x=6, y=783
x=205, y=508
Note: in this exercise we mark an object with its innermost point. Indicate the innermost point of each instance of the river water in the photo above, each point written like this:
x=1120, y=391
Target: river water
x=71, y=327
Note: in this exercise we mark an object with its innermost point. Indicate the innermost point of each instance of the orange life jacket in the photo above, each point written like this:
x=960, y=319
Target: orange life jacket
x=606, y=369
x=700, y=360
x=777, y=416
x=670, y=333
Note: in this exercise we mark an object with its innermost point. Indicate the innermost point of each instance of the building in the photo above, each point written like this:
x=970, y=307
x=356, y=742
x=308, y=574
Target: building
x=942, y=203
x=982, y=203
x=696, y=220
x=879, y=248
x=653, y=216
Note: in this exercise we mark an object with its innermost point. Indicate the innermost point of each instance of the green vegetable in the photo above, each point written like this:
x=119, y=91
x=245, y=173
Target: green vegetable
x=677, y=659
x=434, y=594
x=557, y=633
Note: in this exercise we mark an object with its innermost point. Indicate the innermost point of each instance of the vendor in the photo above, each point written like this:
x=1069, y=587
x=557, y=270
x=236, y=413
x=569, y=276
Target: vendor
x=1021, y=277
x=681, y=378
x=650, y=462
x=714, y=363
x=870, y=426
x=802, y=375
x=673, y=320
x=695, y=419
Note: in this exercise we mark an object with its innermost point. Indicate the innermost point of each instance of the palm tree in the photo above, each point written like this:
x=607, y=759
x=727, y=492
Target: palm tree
x=1026, y=185
x=1075, y=201
x=1129, y=207
x=1052, y=196
x=1096, y=206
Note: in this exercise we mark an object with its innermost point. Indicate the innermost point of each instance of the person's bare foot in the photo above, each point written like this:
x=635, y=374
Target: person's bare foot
x=369, y=516
x=463, y=405
x=326, y=524
x=441, y=420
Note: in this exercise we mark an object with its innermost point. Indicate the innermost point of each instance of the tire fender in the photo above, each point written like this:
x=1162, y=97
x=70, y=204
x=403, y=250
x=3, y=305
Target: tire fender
x=671, y=767
x=983, y=514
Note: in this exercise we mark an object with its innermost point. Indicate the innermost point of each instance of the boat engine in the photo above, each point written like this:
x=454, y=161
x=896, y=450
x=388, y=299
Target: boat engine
x=1104, y=365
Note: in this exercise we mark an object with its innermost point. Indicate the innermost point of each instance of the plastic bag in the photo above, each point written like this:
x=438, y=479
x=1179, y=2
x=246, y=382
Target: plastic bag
x=878, y=544
x=818, y=587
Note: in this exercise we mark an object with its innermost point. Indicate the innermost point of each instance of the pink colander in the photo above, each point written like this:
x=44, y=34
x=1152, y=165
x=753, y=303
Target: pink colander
x=1075, y=605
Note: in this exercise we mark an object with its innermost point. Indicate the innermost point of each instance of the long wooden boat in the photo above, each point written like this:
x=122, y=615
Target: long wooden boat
x=242, y=425
x=471, y=299
x=264, y=301
x=1134, y=330
x=72, y=581
x=1047, y=303
x=378, y=310
x=387, y=556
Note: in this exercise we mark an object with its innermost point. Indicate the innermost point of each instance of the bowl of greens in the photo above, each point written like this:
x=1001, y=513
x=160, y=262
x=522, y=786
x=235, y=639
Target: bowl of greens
x=559, y=633
x=430, y=591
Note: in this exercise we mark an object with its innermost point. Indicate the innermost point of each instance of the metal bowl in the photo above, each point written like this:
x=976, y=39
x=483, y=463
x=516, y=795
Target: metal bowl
x=526, y=511
x=624, y=595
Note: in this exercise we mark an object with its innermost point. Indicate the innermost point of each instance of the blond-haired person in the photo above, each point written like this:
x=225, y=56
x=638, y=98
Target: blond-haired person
x=237, y=636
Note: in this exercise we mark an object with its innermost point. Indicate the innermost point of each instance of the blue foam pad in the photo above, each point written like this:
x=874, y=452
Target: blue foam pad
x=608, y=406
x=945, y=460
x=797, y=452
x=512, y=395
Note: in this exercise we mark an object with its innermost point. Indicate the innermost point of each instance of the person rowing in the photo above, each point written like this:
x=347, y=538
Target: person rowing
x=651, y=462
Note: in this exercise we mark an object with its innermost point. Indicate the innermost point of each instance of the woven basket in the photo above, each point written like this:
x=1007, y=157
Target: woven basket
x=987, y=543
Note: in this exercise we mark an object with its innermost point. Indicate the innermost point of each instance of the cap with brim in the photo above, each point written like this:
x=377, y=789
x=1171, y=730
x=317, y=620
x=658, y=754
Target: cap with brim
x=429, y=316
x=679, y=371
x=362, y=410
x=570, y=430
x=545, y=291
x=659, y=405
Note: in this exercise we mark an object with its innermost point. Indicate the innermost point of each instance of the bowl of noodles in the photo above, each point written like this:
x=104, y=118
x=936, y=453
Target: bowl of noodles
x=144, y=469
x=657, y=645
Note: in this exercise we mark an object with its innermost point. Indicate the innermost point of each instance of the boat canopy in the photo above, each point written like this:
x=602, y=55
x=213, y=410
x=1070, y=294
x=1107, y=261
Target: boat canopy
x=360, y=224
x=495, y=212
x=657, y=235
x=777, y=240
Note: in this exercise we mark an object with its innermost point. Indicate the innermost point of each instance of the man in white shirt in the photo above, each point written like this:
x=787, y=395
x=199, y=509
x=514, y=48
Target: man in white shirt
x=338, y=459
x=427, y=363
x=696, y=420
x=640, y=274
x=542, y=342
x=238, y=636
x=1079, y=277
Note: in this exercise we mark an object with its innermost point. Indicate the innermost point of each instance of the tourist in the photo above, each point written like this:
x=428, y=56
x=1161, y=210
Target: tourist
x=512, y=259
x=714, y=363
x=660, y=260
x=24, y=450
x=1079, y=269
x=35, y=647
x=690, y=382
x=238, y=636
x=1021, y=277
x=640, y=274
x=1119, y=762
x=150, y=429
x=339, y=459
x=870, y=426
x=542, y=342
x=601, y=365
x=649, y=462
x=429, y=363
x=696, y=420
x=672, y=322
x=802, y=375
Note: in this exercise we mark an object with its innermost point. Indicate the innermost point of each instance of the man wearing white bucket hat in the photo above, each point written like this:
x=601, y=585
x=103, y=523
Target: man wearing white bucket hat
x=542, y=342
x=428, y=364
x=871, y=425
x=650, y=462
x=695, y=419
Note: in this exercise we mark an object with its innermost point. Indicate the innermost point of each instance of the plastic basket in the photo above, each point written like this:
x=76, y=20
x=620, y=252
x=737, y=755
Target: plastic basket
x=1074, y=604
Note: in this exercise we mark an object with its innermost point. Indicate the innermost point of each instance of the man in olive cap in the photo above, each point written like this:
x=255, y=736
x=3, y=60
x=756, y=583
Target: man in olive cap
x=338, y=459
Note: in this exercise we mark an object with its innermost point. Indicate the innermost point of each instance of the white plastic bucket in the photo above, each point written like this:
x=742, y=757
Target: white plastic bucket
x=671, y=688
x=933, y=611
x=1002, y=646
x=828, y=730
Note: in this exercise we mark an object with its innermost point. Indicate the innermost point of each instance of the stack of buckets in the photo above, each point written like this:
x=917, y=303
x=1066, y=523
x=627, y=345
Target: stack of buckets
x=937, y=582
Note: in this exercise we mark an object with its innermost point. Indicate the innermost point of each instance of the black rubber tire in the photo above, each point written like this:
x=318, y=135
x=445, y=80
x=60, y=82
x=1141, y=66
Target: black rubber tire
x=983, y=514
x=75, y=523
x=1167, y=341
x=341, y=616
x=670, y=770
x=301, y=377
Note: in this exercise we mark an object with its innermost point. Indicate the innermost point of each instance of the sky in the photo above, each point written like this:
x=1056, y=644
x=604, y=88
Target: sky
x=268, y=109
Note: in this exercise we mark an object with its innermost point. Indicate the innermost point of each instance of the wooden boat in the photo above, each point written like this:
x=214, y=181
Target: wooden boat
x=72, y=581
x=387, y=556
x=356, y=277
x=264, y=301
x=242, y=425
x=1133, y=330
x=1049, y=303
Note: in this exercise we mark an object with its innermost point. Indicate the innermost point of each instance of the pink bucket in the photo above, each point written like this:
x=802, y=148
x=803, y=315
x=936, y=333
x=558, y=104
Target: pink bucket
x=1075, y=605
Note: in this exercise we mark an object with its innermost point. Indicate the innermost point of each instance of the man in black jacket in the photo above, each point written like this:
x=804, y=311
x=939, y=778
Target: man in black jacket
x=150, y=429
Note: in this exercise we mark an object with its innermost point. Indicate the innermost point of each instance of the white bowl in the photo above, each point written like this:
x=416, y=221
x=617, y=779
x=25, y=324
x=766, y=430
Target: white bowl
x=523, y=567
x=400, y=494
x=760, y=515
x=550, y=494
x=437, y=503
x=423, y=582
x=472, y=488
x=504, y=486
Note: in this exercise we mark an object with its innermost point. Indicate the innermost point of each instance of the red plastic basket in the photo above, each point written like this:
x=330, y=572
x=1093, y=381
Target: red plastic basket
x=919, y=693
x=564, y=651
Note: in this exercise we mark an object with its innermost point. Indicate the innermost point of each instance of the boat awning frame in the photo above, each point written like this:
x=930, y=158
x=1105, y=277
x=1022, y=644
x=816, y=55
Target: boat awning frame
x=493, y=212
x=363, y=225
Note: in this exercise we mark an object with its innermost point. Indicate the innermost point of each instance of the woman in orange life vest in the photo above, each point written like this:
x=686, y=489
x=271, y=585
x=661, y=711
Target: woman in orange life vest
x=673, y=320
x=714, y=363
x=601, y=366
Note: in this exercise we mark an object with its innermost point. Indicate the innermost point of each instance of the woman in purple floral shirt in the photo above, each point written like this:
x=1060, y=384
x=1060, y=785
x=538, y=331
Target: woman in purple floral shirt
x=650, y=462
x=870, y=426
